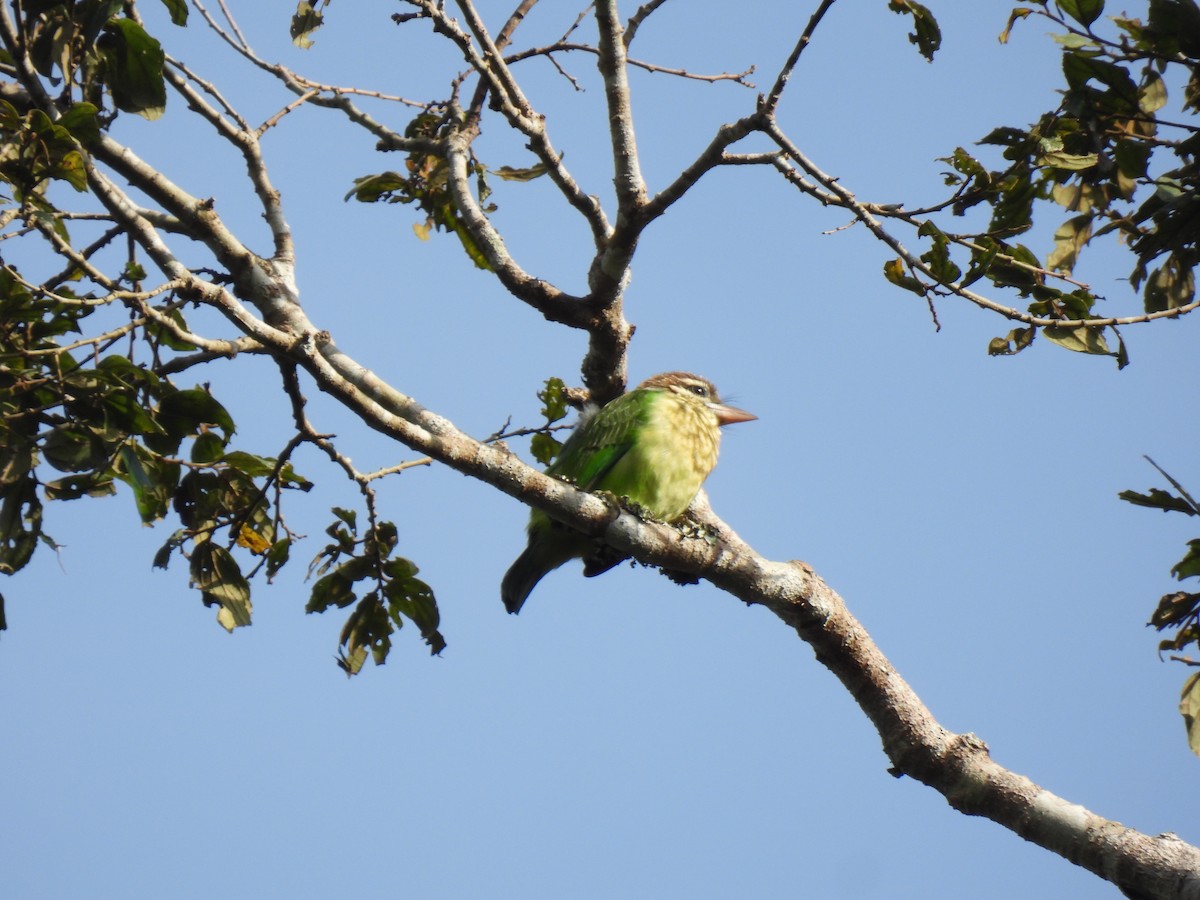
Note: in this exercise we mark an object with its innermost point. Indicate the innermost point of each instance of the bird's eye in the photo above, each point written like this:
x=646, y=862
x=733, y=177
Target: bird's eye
x=698, y=389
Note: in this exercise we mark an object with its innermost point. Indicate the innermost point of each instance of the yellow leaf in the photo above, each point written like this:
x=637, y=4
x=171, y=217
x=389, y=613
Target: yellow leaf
x=252, y=540
x=508, y=173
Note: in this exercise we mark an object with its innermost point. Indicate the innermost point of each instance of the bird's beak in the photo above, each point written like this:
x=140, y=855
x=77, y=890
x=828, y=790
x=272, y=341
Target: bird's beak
x=727, y=415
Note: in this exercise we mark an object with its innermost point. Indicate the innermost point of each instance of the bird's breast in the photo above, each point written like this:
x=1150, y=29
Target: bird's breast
x=675, y=450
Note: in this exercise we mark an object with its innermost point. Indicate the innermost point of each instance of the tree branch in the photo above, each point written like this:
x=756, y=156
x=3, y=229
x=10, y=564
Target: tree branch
x=958, y=766
x=771, y=102
x=627, y=174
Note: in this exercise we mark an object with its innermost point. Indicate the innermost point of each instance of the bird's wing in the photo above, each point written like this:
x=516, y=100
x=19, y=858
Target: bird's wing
x=600, y=442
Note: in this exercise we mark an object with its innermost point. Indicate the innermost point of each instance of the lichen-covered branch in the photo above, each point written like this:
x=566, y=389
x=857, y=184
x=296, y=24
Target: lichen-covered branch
x=257, y=294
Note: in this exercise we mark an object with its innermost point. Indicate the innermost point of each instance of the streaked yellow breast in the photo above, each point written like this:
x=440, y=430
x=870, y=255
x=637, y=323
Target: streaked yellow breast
x=675, y=449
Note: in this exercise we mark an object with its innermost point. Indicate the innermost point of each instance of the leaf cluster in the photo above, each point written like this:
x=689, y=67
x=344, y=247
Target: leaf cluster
x=426, y=183
x=1178, y=611
x=77, y=426
x=35, y=150
x=351, y=565
x=93, y=46
x=926, y=34
x=543, y=445
x=1111, y=156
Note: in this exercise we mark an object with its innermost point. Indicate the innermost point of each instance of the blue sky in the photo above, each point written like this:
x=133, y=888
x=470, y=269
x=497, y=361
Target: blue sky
x=624, y=737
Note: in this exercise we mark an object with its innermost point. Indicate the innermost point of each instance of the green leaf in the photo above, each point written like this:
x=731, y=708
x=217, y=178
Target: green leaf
x=163, y=557
x=1189, y=566
x=1070, y=238
x=1012, y=210
x=218, y=577
x=166, y=337
x=278, y=556
x=1070, y=162
x=1152, y=95
x=938, y=256
x=1170, y=286
x=981, y=261
x=372, y=188
x=965, y=164
x=125, y=411
x=38, y=149
x=72, y=487
x=189, y=412
x=474, y=251
x=554, y=399
x=1080, y=67
x=895, y=271
x=208, y=448
x=352, y=663
x=95, y=15
x=305, y=21
x=927, y=36
x=1122, y=350
x=1159, y=499
x=1189, y=708
x=1085, y=12
x=80, y=121
x=1007, y=272
x=1081, y=338
x=412, y=598
x=74, y=449
x=334, y=589
x=367, y=629
x=544, y=447
x=293, y=479
x=178, y=10
x=249, y=464
x=1005, y=136
x=1016, y=341
x=1132, y=158
x=133, y=67
x=1073, y=41
x=20, y=524
x=152, y=479
x=1174, y=610
x=508, y=173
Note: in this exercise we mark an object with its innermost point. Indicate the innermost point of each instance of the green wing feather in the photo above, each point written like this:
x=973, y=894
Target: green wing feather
x=589, y=455
x=599, y=443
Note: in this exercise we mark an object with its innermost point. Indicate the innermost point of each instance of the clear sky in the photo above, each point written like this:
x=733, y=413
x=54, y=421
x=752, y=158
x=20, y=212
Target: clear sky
x=624, y=737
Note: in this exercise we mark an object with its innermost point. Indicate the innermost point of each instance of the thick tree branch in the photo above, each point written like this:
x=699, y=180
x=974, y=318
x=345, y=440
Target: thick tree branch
x=263, y=305
x=627, y=173
x=958, y=766
x=541, y=295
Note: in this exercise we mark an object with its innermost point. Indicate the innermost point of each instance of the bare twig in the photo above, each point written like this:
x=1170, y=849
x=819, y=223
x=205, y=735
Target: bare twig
x=549, y=50
x=640, y=15
x=771, y=101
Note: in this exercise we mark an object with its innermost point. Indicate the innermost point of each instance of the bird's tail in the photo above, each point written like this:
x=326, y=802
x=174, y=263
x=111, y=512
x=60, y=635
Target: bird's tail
x=521, y=578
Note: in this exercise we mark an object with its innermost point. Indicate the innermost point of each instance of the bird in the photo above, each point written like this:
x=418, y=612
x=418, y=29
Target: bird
x=654, y=445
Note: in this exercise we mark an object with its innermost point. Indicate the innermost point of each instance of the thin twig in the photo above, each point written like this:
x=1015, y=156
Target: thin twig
x=769, y=104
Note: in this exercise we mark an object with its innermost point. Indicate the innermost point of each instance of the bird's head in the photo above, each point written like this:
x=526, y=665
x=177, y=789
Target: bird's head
x=694, y=389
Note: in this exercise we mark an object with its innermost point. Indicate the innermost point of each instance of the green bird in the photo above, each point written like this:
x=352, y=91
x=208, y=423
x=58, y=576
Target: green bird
x=654, y=445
